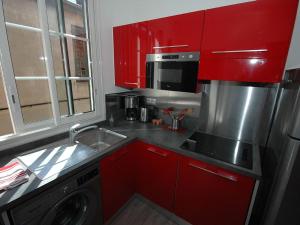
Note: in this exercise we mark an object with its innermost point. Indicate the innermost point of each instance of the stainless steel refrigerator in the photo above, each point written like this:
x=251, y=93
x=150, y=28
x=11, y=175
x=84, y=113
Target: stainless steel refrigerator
x=283, y=156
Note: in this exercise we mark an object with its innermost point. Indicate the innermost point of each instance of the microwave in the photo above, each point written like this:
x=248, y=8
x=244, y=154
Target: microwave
x=173, y=71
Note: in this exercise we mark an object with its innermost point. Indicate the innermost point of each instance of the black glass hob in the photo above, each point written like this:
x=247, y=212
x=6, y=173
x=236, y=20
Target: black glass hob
x=227, y=150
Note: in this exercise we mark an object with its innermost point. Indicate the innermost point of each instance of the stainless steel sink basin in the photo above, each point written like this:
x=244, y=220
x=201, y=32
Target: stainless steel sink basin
x=100, y=139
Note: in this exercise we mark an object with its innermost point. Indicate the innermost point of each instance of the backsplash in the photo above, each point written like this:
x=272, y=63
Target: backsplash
x=228, y=109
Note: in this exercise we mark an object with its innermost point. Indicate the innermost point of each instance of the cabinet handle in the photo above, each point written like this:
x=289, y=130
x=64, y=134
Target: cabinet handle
x=170, y=46
x=228, y=177
x=240, y=51
x=131, y=83
x=156, y=152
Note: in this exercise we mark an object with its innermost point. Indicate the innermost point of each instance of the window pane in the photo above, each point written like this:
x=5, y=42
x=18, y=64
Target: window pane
x=27, y=52
x=72, y=13
x=28, y=59
x=74, y=18
x=53, y=17
x=70, y=54
x=35, y=100
x=78, y=58
x=57, y=54
x=81, y=96
x=24, y=12
x=62, y=97
x=5, y=121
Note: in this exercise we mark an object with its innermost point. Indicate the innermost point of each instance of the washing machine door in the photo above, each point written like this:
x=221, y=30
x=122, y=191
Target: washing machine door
x=77, y=208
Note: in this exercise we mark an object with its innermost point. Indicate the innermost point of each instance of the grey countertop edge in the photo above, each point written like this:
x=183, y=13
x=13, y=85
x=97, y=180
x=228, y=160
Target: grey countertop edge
x=35, y=186
x=254, y=173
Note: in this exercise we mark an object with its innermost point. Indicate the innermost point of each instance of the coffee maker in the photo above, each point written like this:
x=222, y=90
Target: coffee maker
x=132, y=107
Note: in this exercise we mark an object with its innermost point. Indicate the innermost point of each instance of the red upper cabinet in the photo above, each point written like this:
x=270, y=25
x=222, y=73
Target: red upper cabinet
x=156, y=174
x=121, y=54
x=180, y=33
x=138, y=48
x=208, y=195
x=130, y=42
x=248, y=41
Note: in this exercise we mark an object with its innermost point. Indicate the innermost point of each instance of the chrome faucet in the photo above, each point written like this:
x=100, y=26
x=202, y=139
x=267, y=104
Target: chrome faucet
x=73, y=132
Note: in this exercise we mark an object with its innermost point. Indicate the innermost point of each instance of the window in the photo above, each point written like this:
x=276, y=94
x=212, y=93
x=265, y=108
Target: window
x=68, y=28
x=47, y=57
x=5, y=121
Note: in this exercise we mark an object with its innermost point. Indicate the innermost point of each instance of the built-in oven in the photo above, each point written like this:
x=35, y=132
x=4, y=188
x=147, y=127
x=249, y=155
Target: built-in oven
x=173, y=71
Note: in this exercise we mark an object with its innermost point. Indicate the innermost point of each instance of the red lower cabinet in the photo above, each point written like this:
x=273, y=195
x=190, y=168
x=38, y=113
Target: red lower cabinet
x=208, y=195
x=198, y=192
x=156, y=174
x=117, y=181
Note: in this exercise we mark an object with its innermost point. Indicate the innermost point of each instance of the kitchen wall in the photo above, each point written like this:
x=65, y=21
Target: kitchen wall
x=119, y=12
x=293, y=60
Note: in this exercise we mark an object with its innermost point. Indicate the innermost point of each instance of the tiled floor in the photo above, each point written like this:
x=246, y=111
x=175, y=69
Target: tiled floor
x=138, y=212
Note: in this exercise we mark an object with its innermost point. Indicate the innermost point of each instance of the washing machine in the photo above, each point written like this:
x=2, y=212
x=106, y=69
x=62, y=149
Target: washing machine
x=75, y=201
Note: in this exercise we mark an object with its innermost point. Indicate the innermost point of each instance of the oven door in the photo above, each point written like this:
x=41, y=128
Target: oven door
x=173, y=75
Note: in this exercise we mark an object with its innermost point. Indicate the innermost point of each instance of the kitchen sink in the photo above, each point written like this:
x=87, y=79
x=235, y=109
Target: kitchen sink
x=100, y=139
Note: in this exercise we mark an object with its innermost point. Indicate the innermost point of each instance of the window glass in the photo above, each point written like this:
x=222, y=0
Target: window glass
x=57, y=54
x=81, y=95
x=22, y=12
x=71, y=57
x=35, y=100
x=74, y=17
x=28, y=59
x=27, y=53
x=78, y=58
x=62, y=95
x=5, y=121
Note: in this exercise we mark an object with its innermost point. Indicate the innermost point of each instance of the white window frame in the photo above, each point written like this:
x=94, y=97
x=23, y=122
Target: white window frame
x=29, y=132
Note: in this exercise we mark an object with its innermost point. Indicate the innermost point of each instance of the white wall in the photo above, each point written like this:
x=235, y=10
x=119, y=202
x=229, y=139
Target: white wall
x=118, y=12
x=293, y=60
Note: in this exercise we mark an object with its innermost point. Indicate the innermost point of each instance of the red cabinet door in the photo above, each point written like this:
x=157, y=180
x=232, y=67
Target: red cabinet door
x=208, y=195
x=138, y=45
x=121, y=54
x=181, y=33
x=156, y=174
x=248, y=41
x=117, y=181
x=130, y=42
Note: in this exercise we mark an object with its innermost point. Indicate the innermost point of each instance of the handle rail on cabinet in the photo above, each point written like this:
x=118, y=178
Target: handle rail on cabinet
x=228, y=177
x=170, y=46
x=131, y=83
x=240, y=51
x=156, y=152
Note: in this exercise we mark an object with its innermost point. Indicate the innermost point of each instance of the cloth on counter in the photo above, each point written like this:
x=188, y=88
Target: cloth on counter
x=12, y=175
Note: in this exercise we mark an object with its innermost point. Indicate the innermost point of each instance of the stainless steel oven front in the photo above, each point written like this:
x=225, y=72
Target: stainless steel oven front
x=173, y=71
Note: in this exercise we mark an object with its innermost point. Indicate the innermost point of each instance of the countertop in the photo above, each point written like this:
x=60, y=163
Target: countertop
x=163, y=137
x=146, y=132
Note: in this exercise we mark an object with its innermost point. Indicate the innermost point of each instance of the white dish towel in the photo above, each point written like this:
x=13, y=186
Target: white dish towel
x=12, y=175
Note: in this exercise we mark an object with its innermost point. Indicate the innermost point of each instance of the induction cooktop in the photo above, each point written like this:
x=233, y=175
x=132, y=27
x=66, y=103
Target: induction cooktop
x=224, y=149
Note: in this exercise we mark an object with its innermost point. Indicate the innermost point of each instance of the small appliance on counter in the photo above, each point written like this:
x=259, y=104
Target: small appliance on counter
x=144, y=114
x=132, y=107
x=147, y=113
